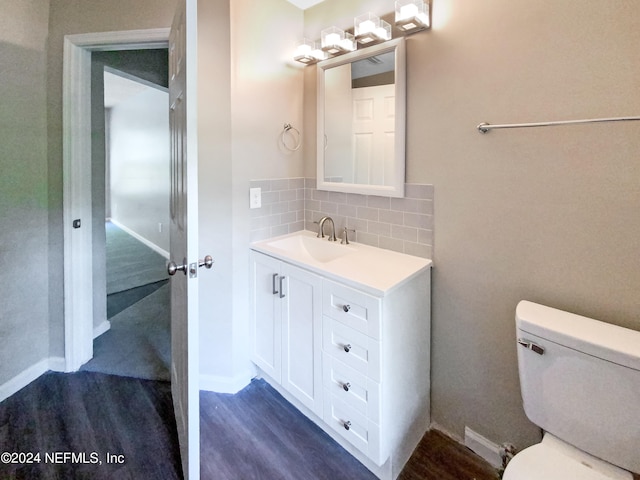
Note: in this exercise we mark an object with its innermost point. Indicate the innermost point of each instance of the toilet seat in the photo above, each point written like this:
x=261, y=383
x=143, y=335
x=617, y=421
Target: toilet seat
x=553, y=459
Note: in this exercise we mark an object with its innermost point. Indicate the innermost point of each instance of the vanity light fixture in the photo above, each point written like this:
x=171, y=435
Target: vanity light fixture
x=412, y=15
x=308, y=52
x=370, y=29
x=335, y=41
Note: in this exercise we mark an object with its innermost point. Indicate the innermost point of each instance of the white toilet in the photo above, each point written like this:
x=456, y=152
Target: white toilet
x=580, y=382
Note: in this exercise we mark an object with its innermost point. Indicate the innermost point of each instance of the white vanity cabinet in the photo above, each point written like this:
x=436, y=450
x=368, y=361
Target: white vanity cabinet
x=286, y=311
x=352, y=367
x=376, y=361
x=351, y=356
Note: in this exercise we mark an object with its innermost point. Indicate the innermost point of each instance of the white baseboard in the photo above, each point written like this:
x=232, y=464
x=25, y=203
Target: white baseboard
x=28, y=375
x=57, y=364
x=220, y=384
x=437, y=426
x=137, y=236
x=483, y=447
x=102, y=328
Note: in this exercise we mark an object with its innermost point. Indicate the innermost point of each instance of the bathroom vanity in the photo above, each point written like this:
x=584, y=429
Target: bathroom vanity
x=343, y=332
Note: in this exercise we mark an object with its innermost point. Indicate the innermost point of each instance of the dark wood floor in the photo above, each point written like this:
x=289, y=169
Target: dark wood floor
x=92, y=414
x=257, y=434
x=439, y=457
x=254, y=434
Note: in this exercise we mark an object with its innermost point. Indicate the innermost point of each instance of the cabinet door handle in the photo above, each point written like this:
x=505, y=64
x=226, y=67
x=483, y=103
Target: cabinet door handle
x=347, y=347
x=347, y=425
x=346, y=308
x=346, y=386
x=281, y=292
x=274, y=290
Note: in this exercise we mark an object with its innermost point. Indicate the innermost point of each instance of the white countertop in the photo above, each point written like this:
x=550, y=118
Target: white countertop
x=374, y=270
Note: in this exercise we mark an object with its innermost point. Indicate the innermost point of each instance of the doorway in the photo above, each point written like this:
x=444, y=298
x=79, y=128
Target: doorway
x=78, y=184
x=130, y=145
x=78, y=258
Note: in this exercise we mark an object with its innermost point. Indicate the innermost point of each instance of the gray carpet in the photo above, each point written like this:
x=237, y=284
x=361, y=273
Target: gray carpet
x=138, y=306
x=139, y=341
x=117, y=302
x=130, y=263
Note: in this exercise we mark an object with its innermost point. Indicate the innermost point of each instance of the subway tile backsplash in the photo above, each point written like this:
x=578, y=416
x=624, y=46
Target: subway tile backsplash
x=401, y=224
x=282, y=208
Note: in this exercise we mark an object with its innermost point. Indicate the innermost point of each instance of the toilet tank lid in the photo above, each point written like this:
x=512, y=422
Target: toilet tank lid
x=593, y=337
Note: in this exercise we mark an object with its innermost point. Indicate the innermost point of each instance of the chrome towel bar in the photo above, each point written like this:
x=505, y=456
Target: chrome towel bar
x=485, y=127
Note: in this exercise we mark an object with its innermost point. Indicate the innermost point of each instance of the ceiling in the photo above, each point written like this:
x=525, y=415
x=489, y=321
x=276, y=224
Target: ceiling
x=303, y=4
x=373, y=65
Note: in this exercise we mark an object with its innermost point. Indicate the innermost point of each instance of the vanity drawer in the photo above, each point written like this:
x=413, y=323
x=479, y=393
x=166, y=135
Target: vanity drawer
x=352, y=387
x=351, y=347
x=352, y=307
x=357, y=429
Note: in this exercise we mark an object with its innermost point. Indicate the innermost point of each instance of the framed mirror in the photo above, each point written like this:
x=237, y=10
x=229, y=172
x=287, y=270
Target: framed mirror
x=361, y=121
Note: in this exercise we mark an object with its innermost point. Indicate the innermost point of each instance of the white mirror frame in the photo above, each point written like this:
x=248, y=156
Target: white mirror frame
x=396, y=188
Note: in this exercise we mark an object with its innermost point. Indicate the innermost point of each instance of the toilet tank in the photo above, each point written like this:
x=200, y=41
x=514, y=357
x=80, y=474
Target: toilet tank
x=580, y=381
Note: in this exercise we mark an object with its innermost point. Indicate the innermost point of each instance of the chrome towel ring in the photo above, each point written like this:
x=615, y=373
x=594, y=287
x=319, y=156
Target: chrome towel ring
x=287, y=128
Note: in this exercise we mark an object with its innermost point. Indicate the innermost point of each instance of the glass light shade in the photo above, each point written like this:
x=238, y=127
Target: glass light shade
x=369, y=29
x=335, y=41
x=412, y=15
x=308, y=52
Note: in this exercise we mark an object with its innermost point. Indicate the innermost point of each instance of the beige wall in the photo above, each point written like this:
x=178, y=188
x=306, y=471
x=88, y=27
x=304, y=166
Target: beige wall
x=23, y=186
x=214, y=186
x=548, y=214
x=250, y=89
x=70, y=17
x=139, y=165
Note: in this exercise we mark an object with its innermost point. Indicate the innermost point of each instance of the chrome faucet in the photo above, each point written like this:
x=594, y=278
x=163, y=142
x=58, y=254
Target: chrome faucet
x=332, y=237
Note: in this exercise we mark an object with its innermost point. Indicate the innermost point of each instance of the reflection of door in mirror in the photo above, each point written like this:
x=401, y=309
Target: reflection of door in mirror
x=359, y=121
x=373, y=134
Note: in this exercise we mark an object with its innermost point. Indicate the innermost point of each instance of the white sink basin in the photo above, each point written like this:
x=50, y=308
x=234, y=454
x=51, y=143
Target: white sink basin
x=371, y=269
x=319, y=249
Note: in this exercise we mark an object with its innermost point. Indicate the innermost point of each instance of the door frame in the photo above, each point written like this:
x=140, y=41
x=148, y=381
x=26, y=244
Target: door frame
x=76, y=179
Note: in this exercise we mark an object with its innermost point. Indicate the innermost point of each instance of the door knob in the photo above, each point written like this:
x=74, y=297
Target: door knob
x=207, y=262
x=172, y=268
x=193, y=268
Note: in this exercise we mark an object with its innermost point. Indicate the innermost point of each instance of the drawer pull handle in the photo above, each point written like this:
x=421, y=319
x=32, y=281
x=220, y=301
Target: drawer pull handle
x=346, y=386
x=346, y=308
x=347, y=347
x=347, y=425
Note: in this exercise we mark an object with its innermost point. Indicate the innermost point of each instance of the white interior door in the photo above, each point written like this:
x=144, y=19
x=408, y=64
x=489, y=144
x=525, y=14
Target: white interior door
x=184, y=235
x=373, y=134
